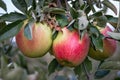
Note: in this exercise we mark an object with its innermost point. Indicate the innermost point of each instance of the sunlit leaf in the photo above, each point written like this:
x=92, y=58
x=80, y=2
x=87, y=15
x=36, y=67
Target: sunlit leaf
x=114, y=35
x=111, y=65
x=3, y=5
x=110, y=5
x=11, y=17
x=21, y=5
x=10, y=30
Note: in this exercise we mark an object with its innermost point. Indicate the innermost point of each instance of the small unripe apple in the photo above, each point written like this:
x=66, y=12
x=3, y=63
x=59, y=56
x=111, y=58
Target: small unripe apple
x=109, y=47
x=69, y=49
x=39, y=44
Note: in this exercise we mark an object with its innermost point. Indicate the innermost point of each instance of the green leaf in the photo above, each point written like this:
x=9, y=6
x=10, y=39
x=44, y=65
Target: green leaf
x=78, y=70
x=111, y=18
x=3, y=5
x=29, y=2
x=101, y=21
x=10, y=30
x=11, y=17
x=110, y=5
x=88, y=64
x=110, y=65
x=74, y=13
x=114, y=35
x=62, y=20
x=28, y=29
x=21, y=5
x=54, y=65
x=101, y=73
x=96, y=37
x=96, y=14
x=54, y=10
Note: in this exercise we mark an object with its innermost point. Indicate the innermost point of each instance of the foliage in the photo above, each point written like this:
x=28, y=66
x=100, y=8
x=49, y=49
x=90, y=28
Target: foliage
x=56, y=13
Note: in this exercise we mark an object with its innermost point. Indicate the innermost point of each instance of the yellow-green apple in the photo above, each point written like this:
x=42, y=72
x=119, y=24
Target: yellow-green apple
x=69, y=49
x=109, y=46
x=39, y=44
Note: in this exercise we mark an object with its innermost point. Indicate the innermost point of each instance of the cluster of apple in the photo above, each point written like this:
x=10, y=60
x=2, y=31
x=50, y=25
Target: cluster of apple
x=67, y=47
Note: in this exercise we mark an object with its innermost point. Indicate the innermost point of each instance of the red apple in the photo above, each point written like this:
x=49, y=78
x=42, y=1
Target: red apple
x=40, y=43
x=69, y=49
x=109, y=47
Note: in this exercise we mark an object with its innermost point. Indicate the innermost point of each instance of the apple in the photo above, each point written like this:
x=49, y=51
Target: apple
x=40, y=42
x=69, y=49
x=109, y=47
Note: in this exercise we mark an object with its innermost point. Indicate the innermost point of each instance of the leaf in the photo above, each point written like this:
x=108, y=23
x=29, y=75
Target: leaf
x=10, y=30
x=114, y=35
x=11, y=17
x=54, y=65
x=28, y=29
x=62, y=20
x=74, y=13
x=21, y=5
x=96, y=37
x=101, y=21
x=29, y=2
x=101, y=73
x=110, y=65
x=112, y=18
x=78, y=70
x=88, y=64
x=3, y=5
x=96, y=14
x=54, y=10
x=110, y=5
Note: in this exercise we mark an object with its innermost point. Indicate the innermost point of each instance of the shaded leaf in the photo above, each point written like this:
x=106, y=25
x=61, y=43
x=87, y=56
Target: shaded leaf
x=21, y=5
x=74, y=13
x=111, y=18
x=10, y=30
x=28, y=29
x=88, y=64
x=110, y=5
x=3, y=5
x=29, y=2
x=101, y=73
x=62, y=20
x=101, y=21
x=78, y=70
x=111, y=65
x=114, y=35
x=11, y=17
x=54, y=65
x=96, y=37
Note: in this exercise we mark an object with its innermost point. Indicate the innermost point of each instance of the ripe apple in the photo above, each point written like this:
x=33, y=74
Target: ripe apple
x=109, y=47
x=69, y=49
x=40, y=43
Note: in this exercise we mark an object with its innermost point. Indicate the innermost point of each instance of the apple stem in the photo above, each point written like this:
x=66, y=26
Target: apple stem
x=86, y=71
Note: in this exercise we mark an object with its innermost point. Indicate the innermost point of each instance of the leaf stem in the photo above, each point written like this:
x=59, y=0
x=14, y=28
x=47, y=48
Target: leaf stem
x=86, y=72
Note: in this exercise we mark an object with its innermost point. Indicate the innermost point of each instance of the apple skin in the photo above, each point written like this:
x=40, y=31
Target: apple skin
x=40, y=43
x=69, y=49
x=109, y=47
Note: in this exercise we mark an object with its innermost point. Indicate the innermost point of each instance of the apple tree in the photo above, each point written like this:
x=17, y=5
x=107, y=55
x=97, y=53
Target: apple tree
x=60, y=40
